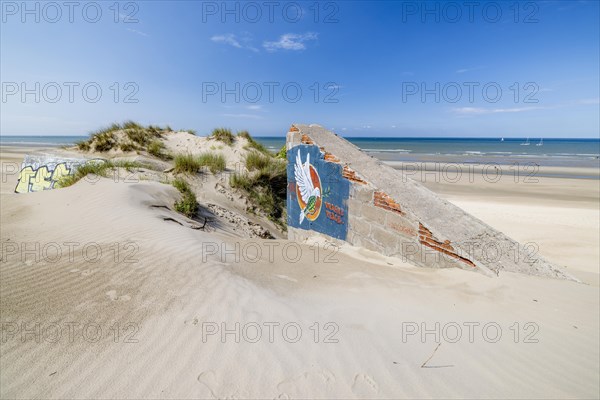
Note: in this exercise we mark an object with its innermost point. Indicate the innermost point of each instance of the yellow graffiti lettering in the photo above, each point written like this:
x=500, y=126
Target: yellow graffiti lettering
x=42, y=179
x=59, y=172
x=23, y=182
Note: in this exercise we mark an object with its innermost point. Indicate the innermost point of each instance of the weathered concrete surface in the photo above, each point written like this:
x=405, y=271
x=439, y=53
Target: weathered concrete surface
x=390, y=213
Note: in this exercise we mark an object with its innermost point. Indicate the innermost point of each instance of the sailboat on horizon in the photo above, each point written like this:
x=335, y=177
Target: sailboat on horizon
x=541, y=143
x=525, y=143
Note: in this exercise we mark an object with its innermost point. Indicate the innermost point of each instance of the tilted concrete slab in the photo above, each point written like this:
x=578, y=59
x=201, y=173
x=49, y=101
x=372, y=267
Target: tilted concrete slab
x=337, y=190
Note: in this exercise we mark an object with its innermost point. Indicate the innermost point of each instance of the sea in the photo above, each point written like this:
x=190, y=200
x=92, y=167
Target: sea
x=582, y=153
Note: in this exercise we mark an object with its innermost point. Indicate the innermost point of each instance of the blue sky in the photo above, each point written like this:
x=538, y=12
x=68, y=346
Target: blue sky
x=511, y=69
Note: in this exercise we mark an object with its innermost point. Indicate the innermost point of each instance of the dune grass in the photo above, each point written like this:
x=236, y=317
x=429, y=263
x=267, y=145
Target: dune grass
x=83, y=145
x=190, y=164
x=214, y=162
x=253, y=143
x=107, y=129
x=224, y=135
x=104, y=141
x=282, y=153
x=265, y=183
x=96, y=167
x=127, y=146
x=155, y=129
x=131, y=125
x=136, y=137
x=188, y=204
x=256, y=160
x=181, y=185
x=266, y=188
x=187, y=164
x=156, y=148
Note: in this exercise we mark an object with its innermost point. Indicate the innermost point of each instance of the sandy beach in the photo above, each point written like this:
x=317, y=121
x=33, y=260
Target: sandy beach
x=111, y=299
x=300, y=200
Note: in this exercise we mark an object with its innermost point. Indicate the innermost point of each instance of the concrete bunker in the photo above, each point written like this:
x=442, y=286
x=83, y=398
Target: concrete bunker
x=338, y=191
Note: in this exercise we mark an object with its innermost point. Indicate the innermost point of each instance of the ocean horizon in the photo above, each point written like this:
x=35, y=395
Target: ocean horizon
x=570, y=152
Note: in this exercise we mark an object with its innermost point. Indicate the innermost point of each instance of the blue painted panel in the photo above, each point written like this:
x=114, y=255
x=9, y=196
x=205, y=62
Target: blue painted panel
x=317, y=194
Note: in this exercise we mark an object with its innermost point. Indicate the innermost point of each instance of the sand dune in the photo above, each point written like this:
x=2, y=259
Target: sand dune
x=158, y=300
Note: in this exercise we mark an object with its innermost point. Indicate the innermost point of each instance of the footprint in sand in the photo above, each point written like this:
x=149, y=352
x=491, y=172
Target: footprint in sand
x=209, y=379
x=364, y=385
x=230, y=391
x=318, y=380
x=112, y=295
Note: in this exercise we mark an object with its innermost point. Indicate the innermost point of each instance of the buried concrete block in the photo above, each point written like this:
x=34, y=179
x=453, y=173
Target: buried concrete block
x=340, y=191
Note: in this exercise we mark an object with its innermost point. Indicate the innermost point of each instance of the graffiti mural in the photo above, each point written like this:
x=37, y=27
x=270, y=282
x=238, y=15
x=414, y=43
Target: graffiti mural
x=43, y=172
x=317, y=193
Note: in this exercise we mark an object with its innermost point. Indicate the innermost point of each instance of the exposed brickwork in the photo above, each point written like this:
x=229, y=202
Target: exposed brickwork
x=426, y=238
x=306, y=139
x=351, y=175
x=331, y=158
x=384, y=201
x=294, y=129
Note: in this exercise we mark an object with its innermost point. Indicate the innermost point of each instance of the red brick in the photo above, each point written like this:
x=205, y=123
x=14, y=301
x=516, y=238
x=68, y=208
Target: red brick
x=383, y=200
x=351, y=175
x=306, y=139
x=426, y=238
x=331, y=158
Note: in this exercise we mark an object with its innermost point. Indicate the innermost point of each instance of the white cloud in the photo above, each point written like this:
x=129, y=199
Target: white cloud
x=228, y=38
x=254, y=107
x=290, y=41
x=243, y=42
